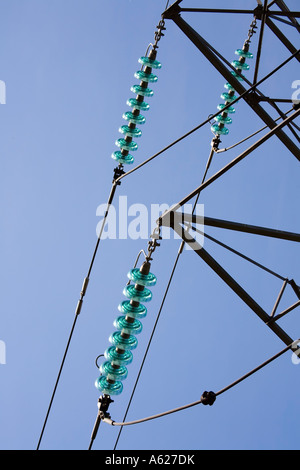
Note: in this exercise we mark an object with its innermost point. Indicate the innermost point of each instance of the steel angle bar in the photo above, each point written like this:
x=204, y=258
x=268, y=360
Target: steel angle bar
x=232, y=283
x=205, y=48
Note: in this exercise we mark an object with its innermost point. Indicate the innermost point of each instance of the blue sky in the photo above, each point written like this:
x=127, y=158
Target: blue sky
x=68, y=66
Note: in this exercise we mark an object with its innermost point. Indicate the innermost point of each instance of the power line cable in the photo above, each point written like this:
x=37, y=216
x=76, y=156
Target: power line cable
x=207, y=398
x=149, y=343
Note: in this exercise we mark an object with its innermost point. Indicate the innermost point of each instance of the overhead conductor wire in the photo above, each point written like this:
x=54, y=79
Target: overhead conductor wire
x=214, y=146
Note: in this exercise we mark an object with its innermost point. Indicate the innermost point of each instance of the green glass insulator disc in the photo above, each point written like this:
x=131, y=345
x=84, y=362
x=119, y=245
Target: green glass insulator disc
x=130, y=328
x=120, y=158
x=108, y=388
x=216, y=129
x=140, y=90
x=113, y=373
x=123, y=144
x=239, y=65
x=138, y=104
x=242, y=53
x=154, y=64
x=119, y=358
x=126, y=130
x=137, y=295
x=123, y=343
x=137, y=277
x=136, y=312
x=146, y=77
x=223, y=119
x=129, y=116
x=228, y=97
x=229, y=110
